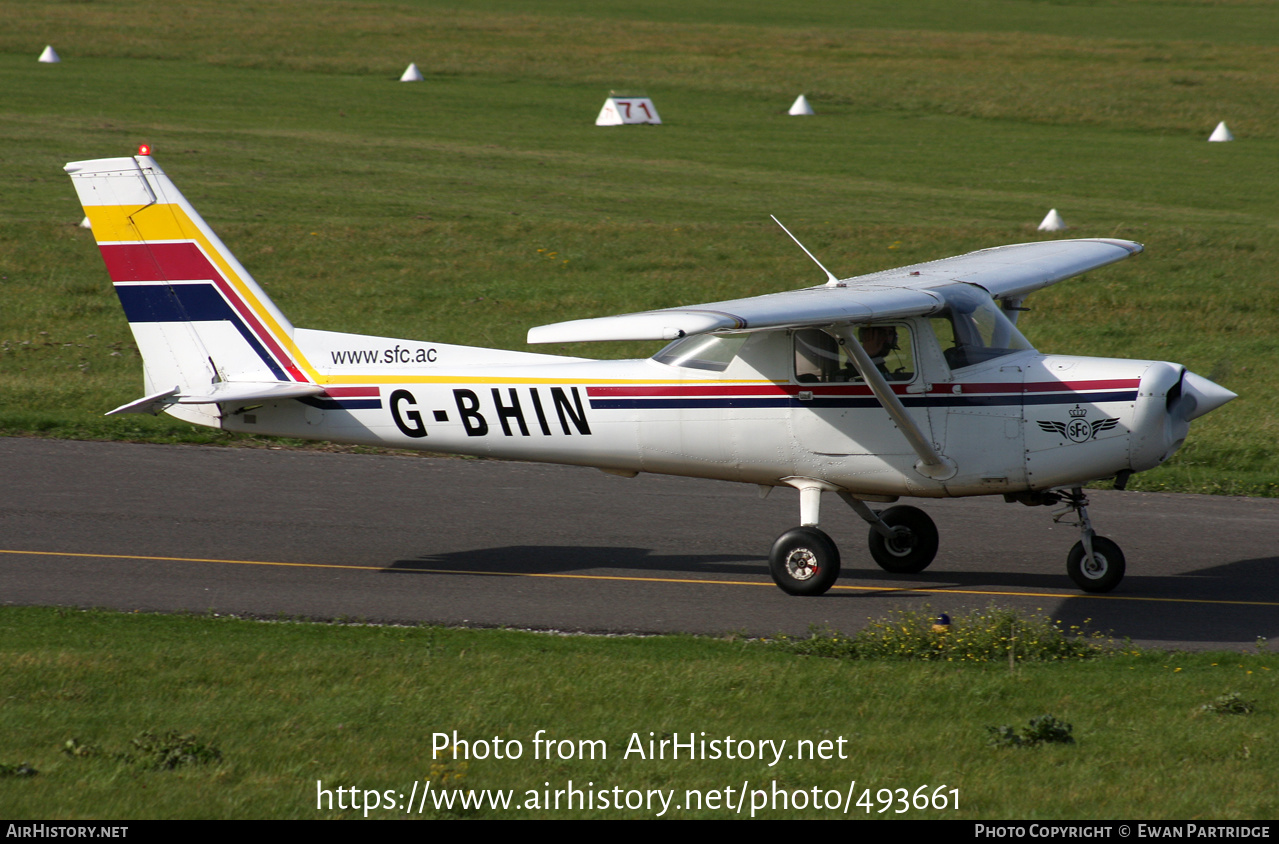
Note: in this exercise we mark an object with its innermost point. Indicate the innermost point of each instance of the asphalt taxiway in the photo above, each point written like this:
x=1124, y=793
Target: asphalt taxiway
x=483, y=543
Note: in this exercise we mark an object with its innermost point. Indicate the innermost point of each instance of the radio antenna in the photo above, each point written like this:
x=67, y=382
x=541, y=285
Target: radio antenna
x=831, y=281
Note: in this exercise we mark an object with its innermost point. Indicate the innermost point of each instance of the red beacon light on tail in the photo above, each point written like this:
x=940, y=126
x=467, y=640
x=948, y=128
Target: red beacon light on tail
x=144, y=149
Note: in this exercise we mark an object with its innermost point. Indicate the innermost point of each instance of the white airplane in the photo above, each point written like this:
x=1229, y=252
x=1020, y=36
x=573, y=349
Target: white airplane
x=908, y=382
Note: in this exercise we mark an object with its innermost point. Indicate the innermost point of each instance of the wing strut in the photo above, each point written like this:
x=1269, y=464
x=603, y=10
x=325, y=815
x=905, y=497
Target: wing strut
x=931, y=463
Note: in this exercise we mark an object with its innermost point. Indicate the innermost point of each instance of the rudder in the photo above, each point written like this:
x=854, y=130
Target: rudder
x=199, y=318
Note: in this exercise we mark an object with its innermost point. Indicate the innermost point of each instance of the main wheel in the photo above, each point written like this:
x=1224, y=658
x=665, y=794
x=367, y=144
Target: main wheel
x=804, y=561
x=910, y=550
x=1104, y=574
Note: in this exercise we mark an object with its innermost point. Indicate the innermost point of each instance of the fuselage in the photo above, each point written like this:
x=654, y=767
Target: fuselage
x=1018, y=422
x=909, y=382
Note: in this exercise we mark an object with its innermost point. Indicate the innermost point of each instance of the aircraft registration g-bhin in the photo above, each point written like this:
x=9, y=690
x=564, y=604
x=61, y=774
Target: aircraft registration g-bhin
x=909, y=382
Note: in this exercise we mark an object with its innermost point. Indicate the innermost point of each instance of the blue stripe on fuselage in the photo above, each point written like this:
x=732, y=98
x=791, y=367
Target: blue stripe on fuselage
x=342, y=404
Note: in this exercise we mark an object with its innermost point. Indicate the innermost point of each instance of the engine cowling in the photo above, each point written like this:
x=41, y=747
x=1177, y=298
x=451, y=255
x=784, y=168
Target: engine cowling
x=1168, y=399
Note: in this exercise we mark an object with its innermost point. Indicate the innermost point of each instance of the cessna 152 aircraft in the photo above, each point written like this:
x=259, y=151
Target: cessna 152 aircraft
x=908, y=382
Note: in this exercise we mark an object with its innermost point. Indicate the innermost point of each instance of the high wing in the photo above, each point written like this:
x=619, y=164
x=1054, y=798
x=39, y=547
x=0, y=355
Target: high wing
x=1005, y=272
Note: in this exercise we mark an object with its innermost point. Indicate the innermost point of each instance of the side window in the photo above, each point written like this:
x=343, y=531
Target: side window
x=820, y=360
x=711, y=352
x=890, y=350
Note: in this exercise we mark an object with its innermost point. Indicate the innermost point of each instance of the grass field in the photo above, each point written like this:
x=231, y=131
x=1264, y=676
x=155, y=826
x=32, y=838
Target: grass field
x=270, y=709
x=484, y=200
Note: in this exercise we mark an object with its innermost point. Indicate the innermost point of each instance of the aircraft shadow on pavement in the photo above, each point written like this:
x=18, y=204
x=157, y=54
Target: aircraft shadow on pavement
x=1263, y=571
x=620, y=561
x=1232, y=602
x=1244, y=580
x=1167, y=608
x=559, y=559
x=1176, y=624
x=564, y=559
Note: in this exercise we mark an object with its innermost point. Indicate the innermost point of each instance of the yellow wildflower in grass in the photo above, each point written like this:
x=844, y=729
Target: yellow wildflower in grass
x=985, y=635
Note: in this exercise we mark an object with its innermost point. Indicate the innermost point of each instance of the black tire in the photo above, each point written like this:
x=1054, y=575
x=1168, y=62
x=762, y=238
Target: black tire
x=911, y=552
x=1107, y=573
x=804, y=561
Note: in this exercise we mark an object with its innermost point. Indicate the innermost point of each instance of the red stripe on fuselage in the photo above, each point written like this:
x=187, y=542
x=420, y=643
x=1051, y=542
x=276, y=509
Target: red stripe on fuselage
x=351, y=392
x=712, y=390
x=1051, y=386
x=857, y=390
x=187, y=262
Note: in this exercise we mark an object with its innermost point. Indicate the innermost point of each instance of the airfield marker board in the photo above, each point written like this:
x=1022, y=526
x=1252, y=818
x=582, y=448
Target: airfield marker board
x=800, y=106
x=618, y=111
x=1053, y=222
x=1221, y=133
x=411, y=74
x=49, y=56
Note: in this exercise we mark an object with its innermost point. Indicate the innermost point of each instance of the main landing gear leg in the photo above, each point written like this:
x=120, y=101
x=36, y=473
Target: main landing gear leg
x=1095, y=563
x=903, y=540
x=804, y=560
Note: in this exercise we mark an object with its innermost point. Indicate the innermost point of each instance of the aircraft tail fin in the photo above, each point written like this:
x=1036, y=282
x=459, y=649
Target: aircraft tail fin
x=198, y=317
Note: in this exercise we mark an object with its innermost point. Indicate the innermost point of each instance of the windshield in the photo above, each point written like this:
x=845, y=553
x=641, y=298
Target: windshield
x=712, y=352
x=973, y=329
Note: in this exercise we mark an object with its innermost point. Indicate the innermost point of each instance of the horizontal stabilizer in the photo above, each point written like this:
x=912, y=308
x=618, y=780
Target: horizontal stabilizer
x=152, y=404
x=225, y=391
x=252, y=391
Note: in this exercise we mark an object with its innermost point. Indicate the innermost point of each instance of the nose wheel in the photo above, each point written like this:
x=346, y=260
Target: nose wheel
x=1100, y=574
x=1095, y=563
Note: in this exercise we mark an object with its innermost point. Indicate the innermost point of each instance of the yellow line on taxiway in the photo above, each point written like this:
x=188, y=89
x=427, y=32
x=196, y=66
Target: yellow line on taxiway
x=945, y=590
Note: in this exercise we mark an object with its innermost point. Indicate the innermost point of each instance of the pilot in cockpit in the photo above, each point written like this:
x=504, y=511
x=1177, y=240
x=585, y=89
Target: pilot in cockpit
x=879, y=341
x=819, y=357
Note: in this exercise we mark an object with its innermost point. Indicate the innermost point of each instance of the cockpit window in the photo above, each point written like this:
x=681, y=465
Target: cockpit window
x=711, y=352
x=819, y=359
x=973, y=329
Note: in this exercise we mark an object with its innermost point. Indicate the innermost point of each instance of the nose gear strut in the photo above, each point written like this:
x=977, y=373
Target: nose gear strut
x=1095, y=563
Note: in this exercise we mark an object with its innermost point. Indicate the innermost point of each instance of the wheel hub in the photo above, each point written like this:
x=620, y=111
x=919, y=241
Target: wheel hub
x=901, y=543
x=801, y=564
x=1096, y=568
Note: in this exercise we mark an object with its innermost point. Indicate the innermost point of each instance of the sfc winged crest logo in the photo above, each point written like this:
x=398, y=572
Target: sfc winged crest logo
x=1078, y=429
